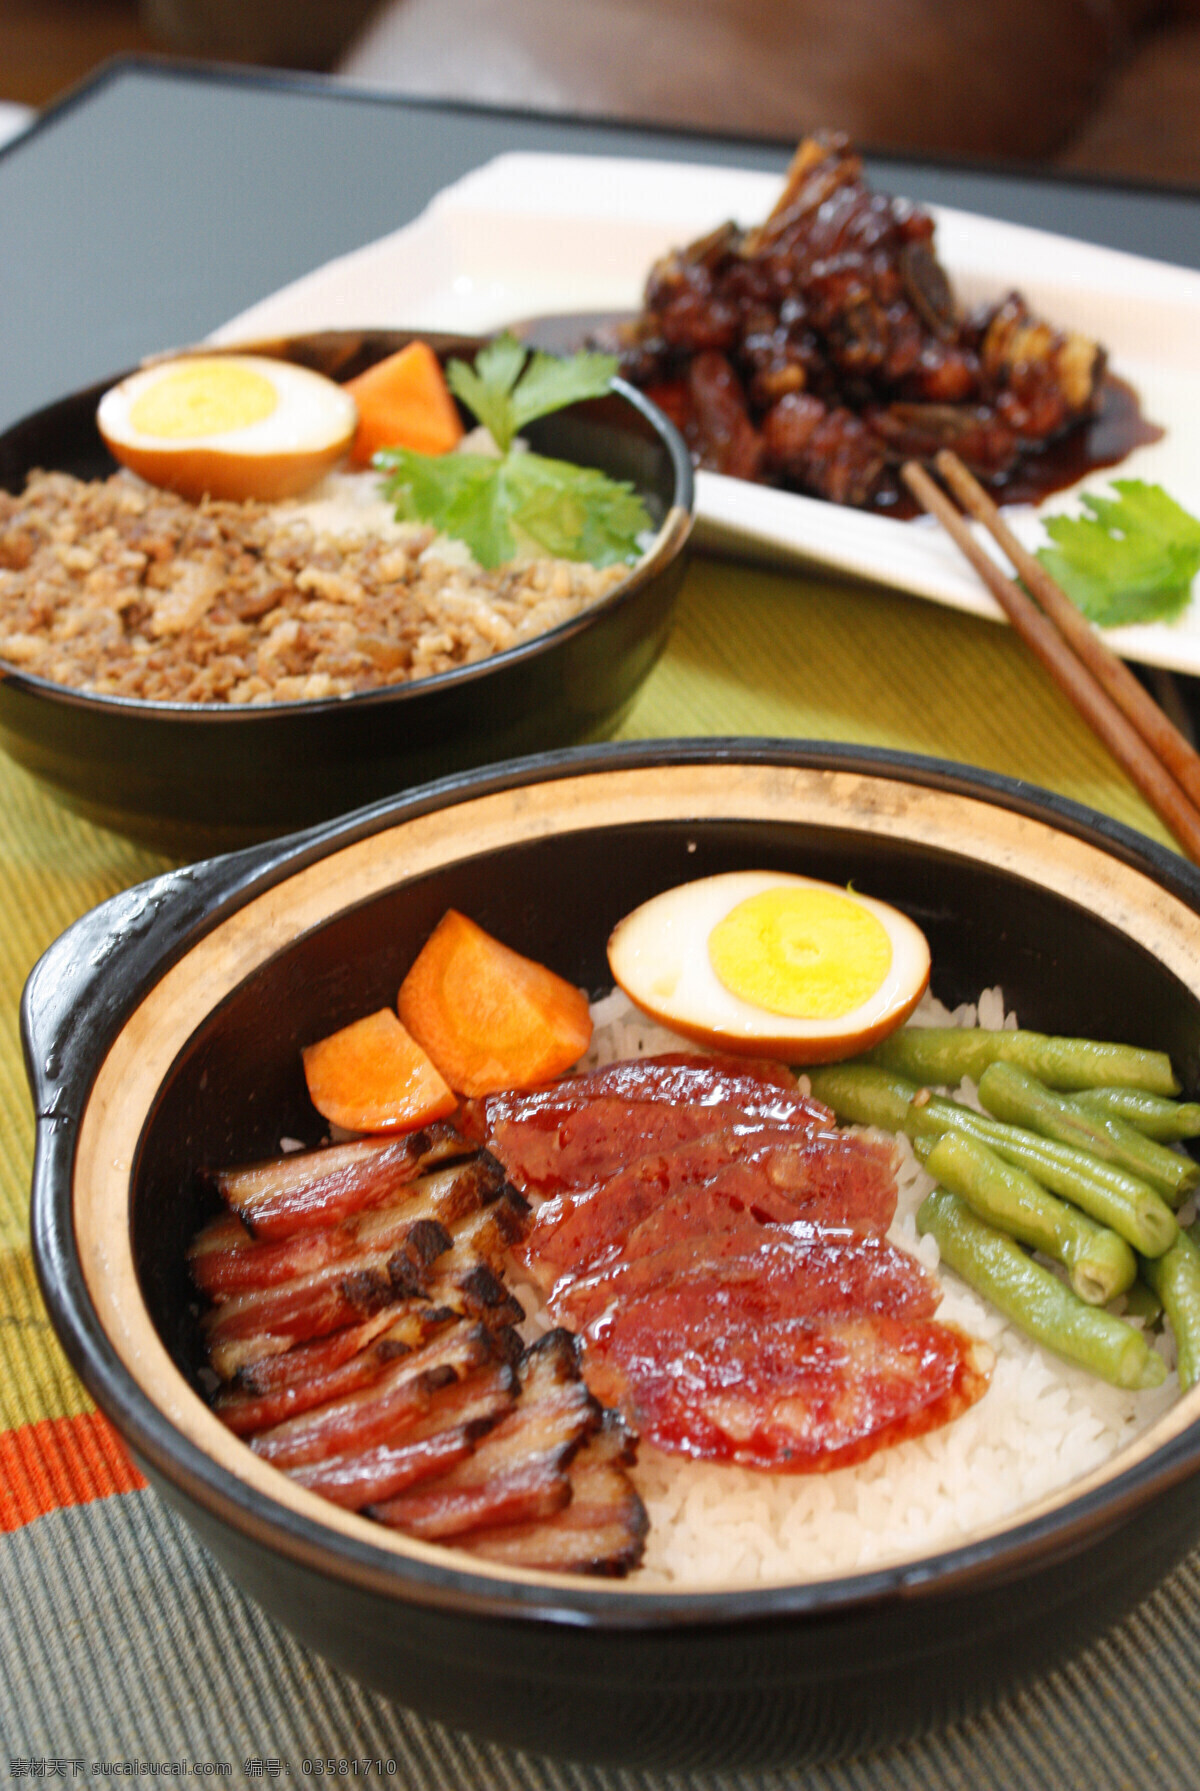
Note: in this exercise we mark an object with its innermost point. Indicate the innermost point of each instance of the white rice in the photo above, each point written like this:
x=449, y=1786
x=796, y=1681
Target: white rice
x=1041, y=1424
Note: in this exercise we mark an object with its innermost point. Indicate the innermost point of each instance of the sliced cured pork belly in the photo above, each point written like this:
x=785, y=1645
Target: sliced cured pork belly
x=319, y=1372
x=458, y=1285
x=314, y=1188
x=372, y=1273
x=396, y=1397
x=272, y=1373
x=367, y=1340
x=310, y=1305
x=458, y=1415
x=356, y=1481
x=519, y=1472
x=475, y=1438
x=226, y=1258
x=309, y=1374
x=768, y=1173
x=601, y=1531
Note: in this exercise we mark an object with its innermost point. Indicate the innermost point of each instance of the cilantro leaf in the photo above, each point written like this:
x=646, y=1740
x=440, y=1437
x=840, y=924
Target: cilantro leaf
x=550, y=383
x=522, y=503
x=1131, y=558
x=572, y=512
x=505, y=398
x=458, y=493
x=486, y=388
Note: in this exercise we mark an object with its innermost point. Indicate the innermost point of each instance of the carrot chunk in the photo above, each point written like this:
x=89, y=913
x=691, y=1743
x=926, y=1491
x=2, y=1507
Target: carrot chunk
x=488, y=1017
x=404, y=402
x=372, y=1077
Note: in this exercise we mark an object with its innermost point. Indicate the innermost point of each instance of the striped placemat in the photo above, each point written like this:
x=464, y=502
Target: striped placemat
x=128, y=1653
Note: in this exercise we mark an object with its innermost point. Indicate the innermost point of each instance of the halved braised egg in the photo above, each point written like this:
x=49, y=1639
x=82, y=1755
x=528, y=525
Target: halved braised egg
x=766, y=963
x=228, y=426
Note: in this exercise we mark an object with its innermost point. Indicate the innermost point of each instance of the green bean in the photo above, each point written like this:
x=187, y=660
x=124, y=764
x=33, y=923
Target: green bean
x=943, y=1055
x=1034, y=1298
x=865, y=1094
x=1175, y=1278
x=1011, y=1095
x=1100, y=1264
x=1107, y=1194
x=1142, y=1302
x=1168, y=1121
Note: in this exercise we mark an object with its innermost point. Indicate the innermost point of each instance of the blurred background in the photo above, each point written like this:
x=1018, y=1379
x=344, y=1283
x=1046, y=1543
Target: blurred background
x=1109, y=88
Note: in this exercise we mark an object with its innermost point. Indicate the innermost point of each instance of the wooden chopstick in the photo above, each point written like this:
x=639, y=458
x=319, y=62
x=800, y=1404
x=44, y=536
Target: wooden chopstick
x=1153, y=752
x=1131, y=696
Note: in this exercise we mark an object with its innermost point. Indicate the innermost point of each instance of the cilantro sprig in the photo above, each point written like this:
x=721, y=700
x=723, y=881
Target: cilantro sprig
x=519, y=503
x=1131, y=558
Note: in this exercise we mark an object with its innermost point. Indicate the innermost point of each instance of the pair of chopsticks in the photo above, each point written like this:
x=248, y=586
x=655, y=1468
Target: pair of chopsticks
x=1157, y=758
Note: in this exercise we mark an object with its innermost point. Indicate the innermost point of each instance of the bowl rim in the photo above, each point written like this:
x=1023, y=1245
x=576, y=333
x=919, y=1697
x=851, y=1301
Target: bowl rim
x=67, y=1032
x=670, y=538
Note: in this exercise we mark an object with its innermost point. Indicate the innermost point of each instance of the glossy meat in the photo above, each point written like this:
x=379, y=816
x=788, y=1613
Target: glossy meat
x=369, y=1353
x=403, y=1262
x=226, y=1259
x=399, y=1396
x=310, y=1373
x=734, y=1289
x=272, y=1373
x=672, y=1076
x=585, y=1129
x=601, y=1530
x=749, y=1269
x=769, y=1173
x=519, y=1472
x=458, y=1415
x=721, y=1380
x=308, y=1189
x=823, y=347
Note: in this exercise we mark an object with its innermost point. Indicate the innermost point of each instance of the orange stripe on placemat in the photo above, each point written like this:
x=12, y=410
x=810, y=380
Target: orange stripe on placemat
x=58, y=1462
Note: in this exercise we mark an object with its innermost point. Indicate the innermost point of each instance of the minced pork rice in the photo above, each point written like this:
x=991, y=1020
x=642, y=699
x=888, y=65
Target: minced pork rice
x=112, y=586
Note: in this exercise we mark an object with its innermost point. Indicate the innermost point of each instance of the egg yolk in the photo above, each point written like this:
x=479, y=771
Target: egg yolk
x=203, y=398
x=812, y=954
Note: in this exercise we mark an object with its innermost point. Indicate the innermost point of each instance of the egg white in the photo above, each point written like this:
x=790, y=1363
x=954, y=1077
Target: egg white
x=280, y=455
x=659, y=956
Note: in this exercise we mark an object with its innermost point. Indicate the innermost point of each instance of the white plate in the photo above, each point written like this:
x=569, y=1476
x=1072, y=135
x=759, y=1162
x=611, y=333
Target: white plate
x=530, y=234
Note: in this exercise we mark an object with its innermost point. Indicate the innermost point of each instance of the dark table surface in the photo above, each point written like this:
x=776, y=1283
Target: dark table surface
x=161, y=199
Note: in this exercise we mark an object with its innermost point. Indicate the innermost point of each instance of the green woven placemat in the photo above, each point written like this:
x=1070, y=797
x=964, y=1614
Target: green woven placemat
x=763, y=652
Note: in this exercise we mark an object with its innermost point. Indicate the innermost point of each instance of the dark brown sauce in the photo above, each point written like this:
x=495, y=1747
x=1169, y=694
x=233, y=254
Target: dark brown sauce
x=1115, y=431
x=1117, y=428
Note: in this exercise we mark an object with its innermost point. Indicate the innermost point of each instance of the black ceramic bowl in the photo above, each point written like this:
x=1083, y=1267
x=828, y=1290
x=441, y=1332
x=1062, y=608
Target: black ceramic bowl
x=163, y=1031
x=196, y=778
